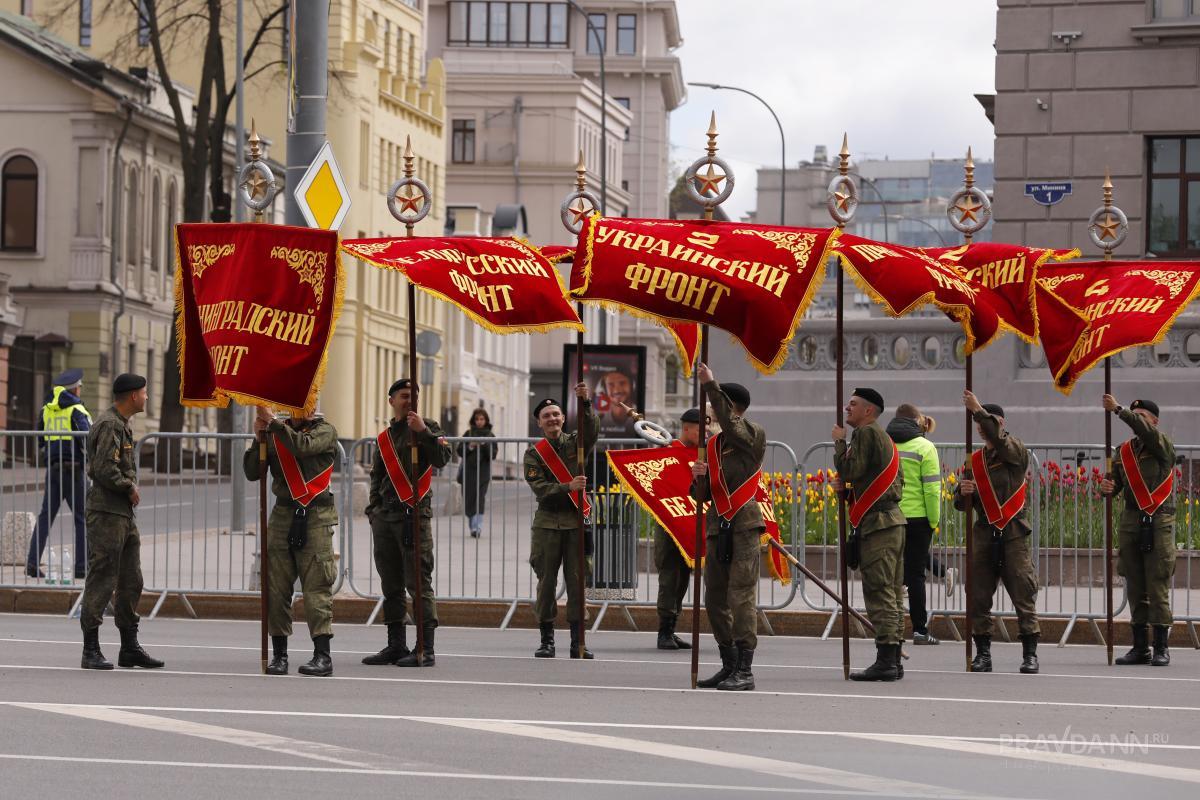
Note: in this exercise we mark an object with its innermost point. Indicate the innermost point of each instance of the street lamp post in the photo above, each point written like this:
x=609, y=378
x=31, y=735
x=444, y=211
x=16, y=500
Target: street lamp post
x=901, y=217
x=601, y=46
x=882, y=203
x=782, y=142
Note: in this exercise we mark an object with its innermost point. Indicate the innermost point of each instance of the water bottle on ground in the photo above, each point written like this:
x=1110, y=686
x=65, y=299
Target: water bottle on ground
x=52, y=572
x=68, y=567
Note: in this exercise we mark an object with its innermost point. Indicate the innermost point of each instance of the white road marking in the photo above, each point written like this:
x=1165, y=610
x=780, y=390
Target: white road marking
x=261, y=741
x=791, y=770
x=1157, y=677
x=725, y=696
x=470, y=776
x=589, y=724
x=1049, y=754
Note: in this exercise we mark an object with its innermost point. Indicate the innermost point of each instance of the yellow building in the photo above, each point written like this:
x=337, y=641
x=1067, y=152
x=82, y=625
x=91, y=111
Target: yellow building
x=380, y=92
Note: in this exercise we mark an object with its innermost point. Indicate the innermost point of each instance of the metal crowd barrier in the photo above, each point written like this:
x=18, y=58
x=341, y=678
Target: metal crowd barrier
x=198, y=537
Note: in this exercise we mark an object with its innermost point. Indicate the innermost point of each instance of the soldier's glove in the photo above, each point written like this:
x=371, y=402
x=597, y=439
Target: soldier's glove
x=1146, y=534
x=298, y=532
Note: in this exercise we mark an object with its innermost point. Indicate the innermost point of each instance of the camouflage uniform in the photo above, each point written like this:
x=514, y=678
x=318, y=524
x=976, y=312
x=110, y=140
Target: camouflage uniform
x=389, y=522
x=555, y=529
x=314, y=445
x=1007, y=462
x=881, y=530
x=730, y=590
x=1147, y=575
x=673, y=576
x=114, y=552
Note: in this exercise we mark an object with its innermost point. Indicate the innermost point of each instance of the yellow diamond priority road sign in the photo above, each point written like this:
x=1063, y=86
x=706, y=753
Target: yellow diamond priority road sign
x=321, y=194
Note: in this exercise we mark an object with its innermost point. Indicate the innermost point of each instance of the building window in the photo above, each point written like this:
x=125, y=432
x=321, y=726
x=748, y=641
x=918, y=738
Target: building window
x=143, y=24
x=474, y=23
x=672, y=375
x=19, y=204
x=597, y=34
x=155, y=225
x=27, y=7
x=85, y=23
x=462, y=142
x=1175, y=9
x=623, y=102
x=1174, y=198
x=132, y=212
x=626, y=34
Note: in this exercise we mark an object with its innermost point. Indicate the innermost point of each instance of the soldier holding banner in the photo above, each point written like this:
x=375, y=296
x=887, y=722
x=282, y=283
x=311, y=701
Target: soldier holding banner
x=555, y=476
x=391, y=503
x=1001, y=550
x=1144, y=473
x=734, y=527
x=869, y=471
x=301, y=454
x=673, y=570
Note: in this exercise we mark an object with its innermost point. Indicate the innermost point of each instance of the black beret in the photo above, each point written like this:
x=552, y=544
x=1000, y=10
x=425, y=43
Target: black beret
x=403, y=383
x=691, y=415
x=537, y=410
x=995, y=409
x=871, y=396
x=128, y=382
x=69, y=377
x=739, y=394
x=1149, y=405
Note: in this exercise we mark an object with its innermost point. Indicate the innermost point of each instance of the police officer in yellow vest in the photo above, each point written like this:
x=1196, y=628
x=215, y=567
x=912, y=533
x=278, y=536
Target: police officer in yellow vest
x=63, y=456
x=1143, y=473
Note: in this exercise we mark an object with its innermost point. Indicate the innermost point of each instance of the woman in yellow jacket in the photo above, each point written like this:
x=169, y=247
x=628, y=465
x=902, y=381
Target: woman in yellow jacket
x=921, y=504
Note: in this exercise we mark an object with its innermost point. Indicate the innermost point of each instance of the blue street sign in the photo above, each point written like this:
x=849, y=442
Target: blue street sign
x=1047, y=194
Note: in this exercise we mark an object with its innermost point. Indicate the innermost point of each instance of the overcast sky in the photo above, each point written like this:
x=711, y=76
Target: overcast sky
x=899, y=76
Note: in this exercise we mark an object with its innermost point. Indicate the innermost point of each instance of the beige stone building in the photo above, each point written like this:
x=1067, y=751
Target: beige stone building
x=381, y=91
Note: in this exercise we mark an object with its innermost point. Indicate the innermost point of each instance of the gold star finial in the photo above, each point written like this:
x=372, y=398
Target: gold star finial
x=844, y=156
x=1109, y=226
x=709, y=182
x=408, y=157
x=580, y=173
x=968, y=209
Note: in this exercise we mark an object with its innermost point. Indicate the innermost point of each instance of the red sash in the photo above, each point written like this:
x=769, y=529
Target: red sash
x=1147, y=500
x=728, y=503
x=860, y=505
x=559, y=470
x=400, y=482
x=998, y=514
x=302, y=491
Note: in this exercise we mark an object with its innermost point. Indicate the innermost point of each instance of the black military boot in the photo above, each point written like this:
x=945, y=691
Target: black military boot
x=898, y=660
x=1029, y=660
x=546, y=650
x=575, y=629
x=982, y=662
x=397, y=646
x=1162, y=656
x=427, y=659
x=884, y=668
x=1140, y=652
x=666, y=641
x=92, y=657
x=728, y=665
x=742, y=679
x=682, y=644
x=132, y=654
x=279, y=660
x=321, y=665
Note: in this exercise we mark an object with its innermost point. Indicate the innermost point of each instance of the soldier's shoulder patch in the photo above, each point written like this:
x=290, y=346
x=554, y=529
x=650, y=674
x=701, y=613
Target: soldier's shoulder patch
x=532, y=471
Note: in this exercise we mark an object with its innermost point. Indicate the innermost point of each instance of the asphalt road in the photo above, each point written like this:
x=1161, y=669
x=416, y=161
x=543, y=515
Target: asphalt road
x=491, y=722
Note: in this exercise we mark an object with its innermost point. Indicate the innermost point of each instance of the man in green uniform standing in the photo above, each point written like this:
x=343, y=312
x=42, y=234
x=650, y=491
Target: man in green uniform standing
x=1144, y=474
x=673, y=571
x=301, y=454
x=114, y=552
x=390, y=507
x=553, y=472
x=869, y=466
x=1000, y=544
x=733, y=530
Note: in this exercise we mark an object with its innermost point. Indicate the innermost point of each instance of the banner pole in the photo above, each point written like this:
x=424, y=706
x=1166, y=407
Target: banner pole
x=580, y=455
x=974, y=212
x=414, y=533
x=1108, y=464
x=842, y=203
x=699, y=545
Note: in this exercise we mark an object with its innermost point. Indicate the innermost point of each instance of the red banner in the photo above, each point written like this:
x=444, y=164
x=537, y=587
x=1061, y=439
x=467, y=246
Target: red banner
x=1129, y=304
x=753, y=281
x=504, y=285
x=660, y=478
x=903, y=279
x=256, y=306
x=1009, y=272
